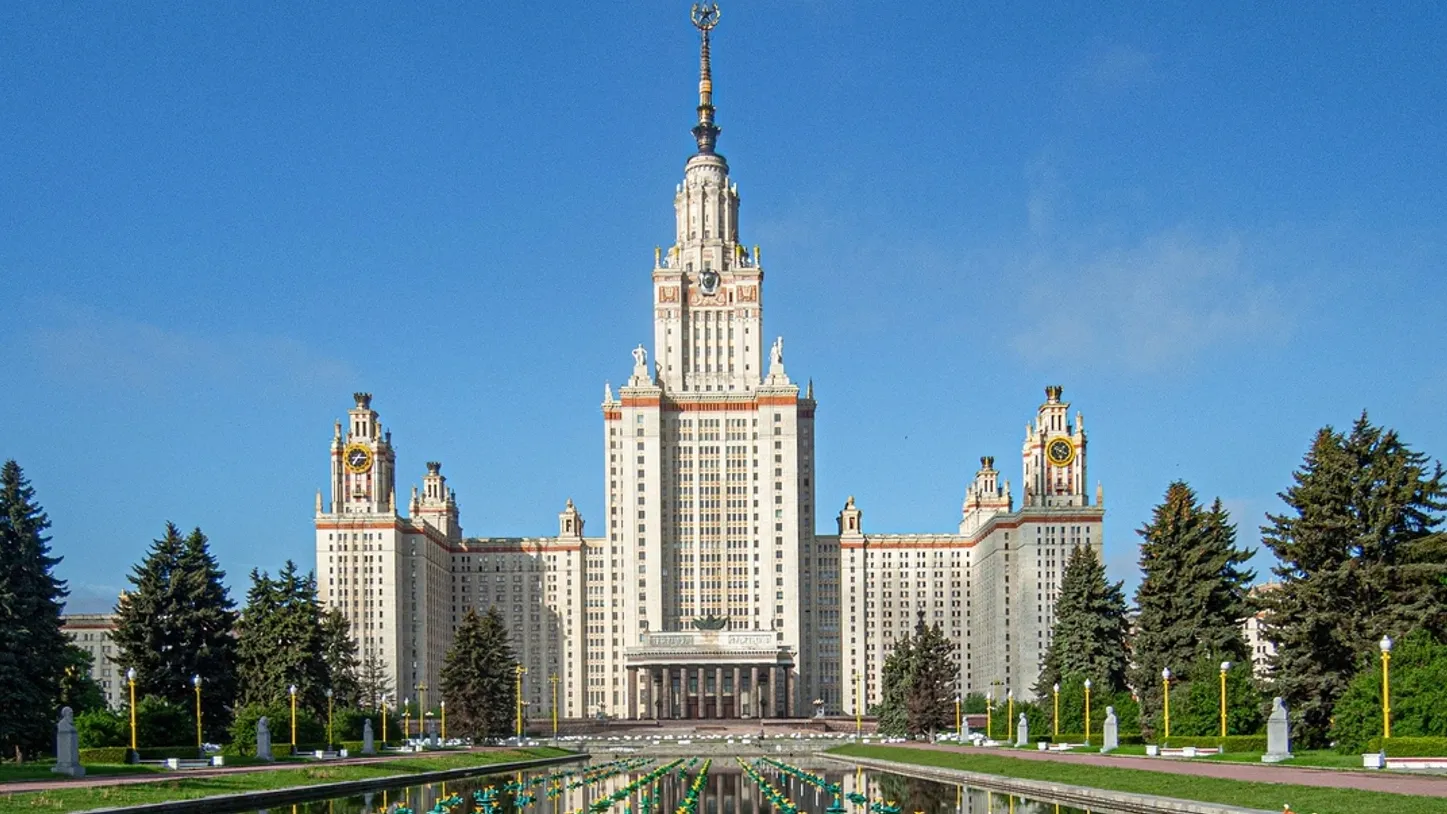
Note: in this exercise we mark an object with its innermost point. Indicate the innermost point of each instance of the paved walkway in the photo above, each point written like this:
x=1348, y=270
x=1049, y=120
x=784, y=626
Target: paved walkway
x=24, y=786
x=1394, y=782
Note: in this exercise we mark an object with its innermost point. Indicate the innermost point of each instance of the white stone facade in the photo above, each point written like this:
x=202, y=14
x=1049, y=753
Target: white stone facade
x=92, y=633
x=1263, y=650
x=709, y=528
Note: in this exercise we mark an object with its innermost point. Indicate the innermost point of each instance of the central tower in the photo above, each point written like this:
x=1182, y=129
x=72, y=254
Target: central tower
x=707, y=288
x=709, y=481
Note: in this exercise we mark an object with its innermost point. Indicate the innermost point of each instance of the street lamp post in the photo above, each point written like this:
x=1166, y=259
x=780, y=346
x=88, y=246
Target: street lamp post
x=1166, y=679
x=330, y=741
x=443, y=705
x=292, y=690
x=1225, y=665
x=858, y=708
x=990, y=714
x=959, y=721
x=1056, y=690
x=1010, y=715
x=520, y=670
x=1087, y=712
x=406, y=719
x=196, y=682
x=1386, y=645
x=384, y=721
x=554, y=679
x=131, y=679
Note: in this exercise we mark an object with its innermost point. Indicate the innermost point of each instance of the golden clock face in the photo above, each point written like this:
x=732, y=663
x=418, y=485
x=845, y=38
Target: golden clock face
x=357, y=458
x=1060, y=451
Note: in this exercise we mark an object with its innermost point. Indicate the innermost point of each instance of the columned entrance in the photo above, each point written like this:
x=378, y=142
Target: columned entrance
x=709, y=675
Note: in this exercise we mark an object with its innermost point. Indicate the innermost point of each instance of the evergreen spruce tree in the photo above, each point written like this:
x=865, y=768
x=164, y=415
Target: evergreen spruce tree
x=1088, y=637
x=1191, y=598
x=373, y=685
x=208, y=641
x=341, y=657
x=1360, y=556
x=176, y=623
x=931, y=701
x=479, y=679
x=919, y=679
x=280, y=643
x=148, y=618
x=895, y=678
x=33, y=651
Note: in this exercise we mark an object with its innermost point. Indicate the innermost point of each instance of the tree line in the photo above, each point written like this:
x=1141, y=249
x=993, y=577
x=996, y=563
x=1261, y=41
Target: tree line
x=177, y=622
x=1359, y=556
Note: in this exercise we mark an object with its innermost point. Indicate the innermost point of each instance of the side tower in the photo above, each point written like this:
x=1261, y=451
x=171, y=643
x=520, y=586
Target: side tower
x=388, y=574
x=1021, y=557
x=359, y=538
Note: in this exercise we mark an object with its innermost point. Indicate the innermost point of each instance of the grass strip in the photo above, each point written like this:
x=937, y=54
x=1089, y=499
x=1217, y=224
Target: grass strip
x=81, y=797
x=1269, y=796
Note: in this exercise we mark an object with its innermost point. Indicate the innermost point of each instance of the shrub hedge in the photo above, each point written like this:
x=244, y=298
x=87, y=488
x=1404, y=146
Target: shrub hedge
x=1410, y=747
x=1126, y=738
x=167, y=752
x=105, y=754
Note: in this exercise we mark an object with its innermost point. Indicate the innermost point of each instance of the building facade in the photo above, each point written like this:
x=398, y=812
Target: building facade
x=707, y=592
x=92, y=633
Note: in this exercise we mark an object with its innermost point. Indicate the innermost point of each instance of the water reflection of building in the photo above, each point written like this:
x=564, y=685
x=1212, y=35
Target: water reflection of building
x=727, y=790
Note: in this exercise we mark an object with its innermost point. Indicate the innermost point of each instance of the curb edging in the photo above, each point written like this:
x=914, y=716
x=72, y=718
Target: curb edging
x=1063, y=793
x=242, y=801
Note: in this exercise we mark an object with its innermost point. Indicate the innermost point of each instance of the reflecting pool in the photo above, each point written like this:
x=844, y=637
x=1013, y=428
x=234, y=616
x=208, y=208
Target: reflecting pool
x=685, y=786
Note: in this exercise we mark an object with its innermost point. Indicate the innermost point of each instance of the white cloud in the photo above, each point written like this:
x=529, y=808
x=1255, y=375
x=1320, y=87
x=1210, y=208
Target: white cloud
x=84, y=344
x=1148, y=306
x=1114, y=67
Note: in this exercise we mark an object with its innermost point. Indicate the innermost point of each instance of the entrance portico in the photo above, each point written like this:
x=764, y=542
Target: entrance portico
x=708, y=674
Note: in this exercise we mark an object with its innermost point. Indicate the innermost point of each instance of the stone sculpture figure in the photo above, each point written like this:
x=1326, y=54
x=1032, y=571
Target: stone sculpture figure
x=263, y=739
x=1111, y=737
x=368, y=742
x=1022, y=731
x=67, y=746
x=1278, y=733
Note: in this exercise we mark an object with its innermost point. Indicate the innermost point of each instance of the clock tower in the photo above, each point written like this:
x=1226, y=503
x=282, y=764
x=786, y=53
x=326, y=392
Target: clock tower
x=364, y=477
x=1054, y=455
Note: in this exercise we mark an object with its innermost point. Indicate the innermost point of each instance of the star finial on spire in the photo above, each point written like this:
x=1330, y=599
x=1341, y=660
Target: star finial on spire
x=705, y=16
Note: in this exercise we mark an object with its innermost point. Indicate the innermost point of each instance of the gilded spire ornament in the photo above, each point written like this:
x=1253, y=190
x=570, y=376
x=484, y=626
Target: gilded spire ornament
x=705, y=16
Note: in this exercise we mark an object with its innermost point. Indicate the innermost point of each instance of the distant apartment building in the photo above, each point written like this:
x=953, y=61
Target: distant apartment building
x=1262, y=649
x=92, y=632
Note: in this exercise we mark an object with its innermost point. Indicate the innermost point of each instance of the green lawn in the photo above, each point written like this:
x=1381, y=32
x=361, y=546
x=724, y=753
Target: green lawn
x=1317, y=759
x=1269, y=796
x=184, y=788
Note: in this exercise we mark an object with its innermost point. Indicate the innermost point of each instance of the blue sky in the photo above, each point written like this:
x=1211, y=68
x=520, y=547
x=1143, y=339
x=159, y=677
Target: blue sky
x=1219, y=226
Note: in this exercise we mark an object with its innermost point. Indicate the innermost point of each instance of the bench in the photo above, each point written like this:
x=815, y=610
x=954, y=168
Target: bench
x=1377, y=760
x=177, y=764
x=1154, y=750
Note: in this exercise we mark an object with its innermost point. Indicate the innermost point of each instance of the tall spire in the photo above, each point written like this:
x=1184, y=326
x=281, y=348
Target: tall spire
x=705, y=16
